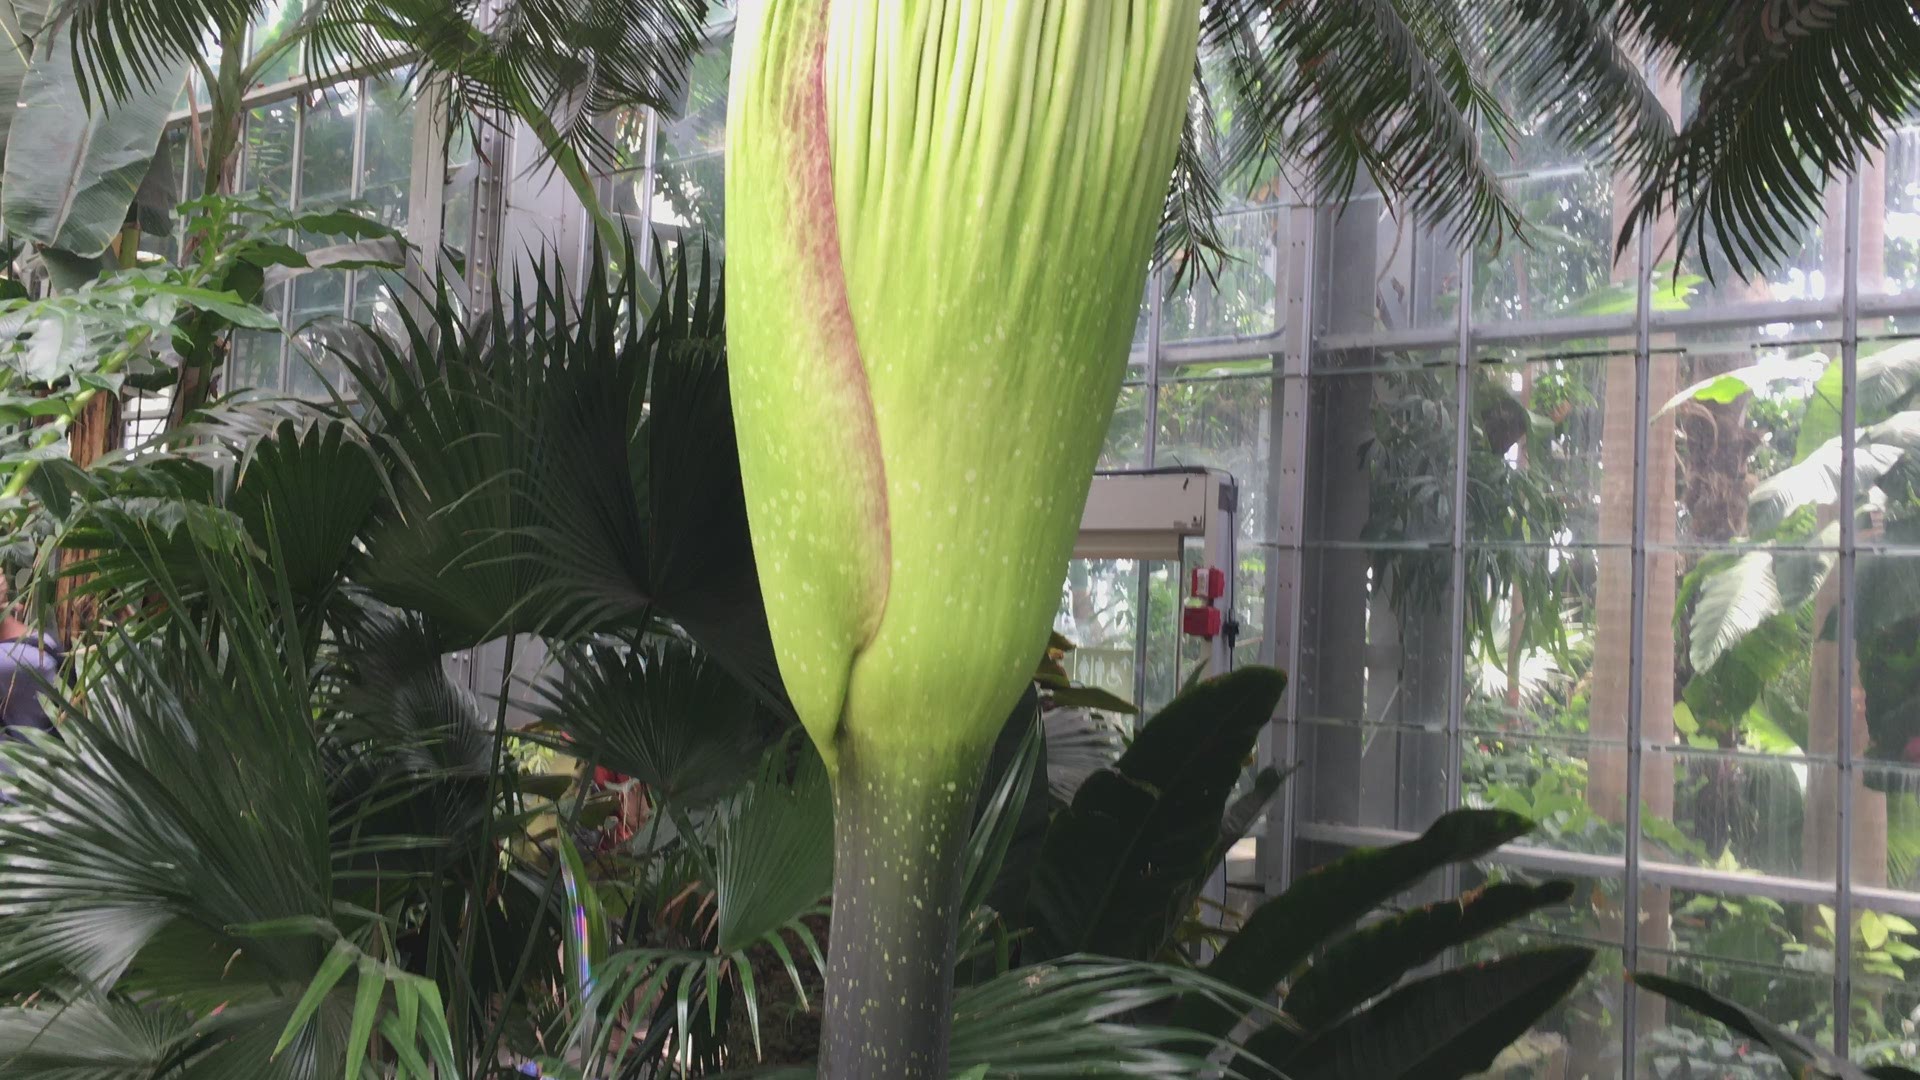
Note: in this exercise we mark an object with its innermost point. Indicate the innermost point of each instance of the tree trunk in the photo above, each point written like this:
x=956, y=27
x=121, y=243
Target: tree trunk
x=94, y=432
x=1826, y=704
x=1613, y=672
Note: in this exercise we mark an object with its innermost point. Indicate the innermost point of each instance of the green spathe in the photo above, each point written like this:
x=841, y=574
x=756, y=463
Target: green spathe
x=939, y=220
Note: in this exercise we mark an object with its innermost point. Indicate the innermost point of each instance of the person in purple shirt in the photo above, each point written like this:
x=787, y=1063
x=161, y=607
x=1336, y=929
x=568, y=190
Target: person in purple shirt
x=29, y=661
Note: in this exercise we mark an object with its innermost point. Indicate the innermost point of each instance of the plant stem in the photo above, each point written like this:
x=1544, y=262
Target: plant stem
x=900, y=831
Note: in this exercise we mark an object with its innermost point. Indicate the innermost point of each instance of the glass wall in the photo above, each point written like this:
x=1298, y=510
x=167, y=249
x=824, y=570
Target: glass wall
x=310, y=144
x=1589, y=548
x=1627, y=545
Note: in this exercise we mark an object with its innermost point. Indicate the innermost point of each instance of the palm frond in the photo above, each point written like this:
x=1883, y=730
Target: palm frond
x=1570, y=62
x=663, y=713
x=123, y=45
x=91, y=1038
x=1391, y=89
x=569, y=468
x=185, y=792
x=1083, y=1015
x=555, y=62
x=1790, y=96
x=773, y=863
x=408, y=753
x=1189, y=241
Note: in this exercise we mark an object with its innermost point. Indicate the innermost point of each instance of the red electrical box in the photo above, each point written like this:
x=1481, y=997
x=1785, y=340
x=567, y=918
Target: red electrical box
x=1208, y=583
x=1201, y=621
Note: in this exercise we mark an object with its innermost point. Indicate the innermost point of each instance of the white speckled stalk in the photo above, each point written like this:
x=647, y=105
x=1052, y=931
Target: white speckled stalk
x=899, y=843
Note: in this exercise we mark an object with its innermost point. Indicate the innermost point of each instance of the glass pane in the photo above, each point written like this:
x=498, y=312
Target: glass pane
x=1375, y=636
x=1555, y=780
x=1750, y=436
x=1747, y=702
x=1242, y=299
x=313, y=361
x=688, y=200
x=1383, y=776
x=1886, y=471
x=255, y=358
x=316, y=293
x=1226, y=424
x=700, y=127
x=1675, y=1043
x=1137, y=358
x=1886, y=1024
x=271, y=30
x=1551, y=451
x=1101, y=610
x=1887, y=856
x=1886, y=703
x=1890, y=217
x=1382, y=272
x=1381, y=470
x=457, y=211
x=1569, y=268
x=1737, y=812
x=326, y=152
x=1099, y=613
x=268, y=163
x=1545, y=722
x=1126, y=433
x=386, y=169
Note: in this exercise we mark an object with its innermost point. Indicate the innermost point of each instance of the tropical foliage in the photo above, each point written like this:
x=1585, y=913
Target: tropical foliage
x=275, y=837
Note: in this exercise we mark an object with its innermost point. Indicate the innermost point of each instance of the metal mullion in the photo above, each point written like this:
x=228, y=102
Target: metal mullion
x=1457, y=546
x=356, y=182
x=1681, y=876
x=1843, y=609
x=1143, y=618
x=1636, y=646
x=295, y=182
x=305, y=80
x=649, y=151
x=1286, y=471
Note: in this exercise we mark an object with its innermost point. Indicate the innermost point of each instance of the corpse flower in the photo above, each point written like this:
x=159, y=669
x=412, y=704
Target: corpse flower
x=939, y=219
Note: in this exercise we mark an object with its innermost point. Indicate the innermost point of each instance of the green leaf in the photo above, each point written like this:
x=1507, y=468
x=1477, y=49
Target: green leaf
x=306, y=492
x=227, y=305
x=1730, y=385
x=1248, y=807
x=1064, y=1019
x=1375, y=957
x=71, y=172
x=1821, y=422
x=1092, y=697
x=1801, y=1056
x=1872, y=930
x=366, y=1007
x=20, y=25
x=1002, y=812
x=1121, y=864
x=1284, y=931
x=665, y=713
x=773, y=853
x=338, y=960
x=1445, y=1027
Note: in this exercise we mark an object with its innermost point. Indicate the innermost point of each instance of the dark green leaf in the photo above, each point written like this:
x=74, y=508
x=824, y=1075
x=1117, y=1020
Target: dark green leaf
x=1121, y=864
x=1375, y=957
x=71, y=173
x=1284, y=931
x=1445, y=1027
